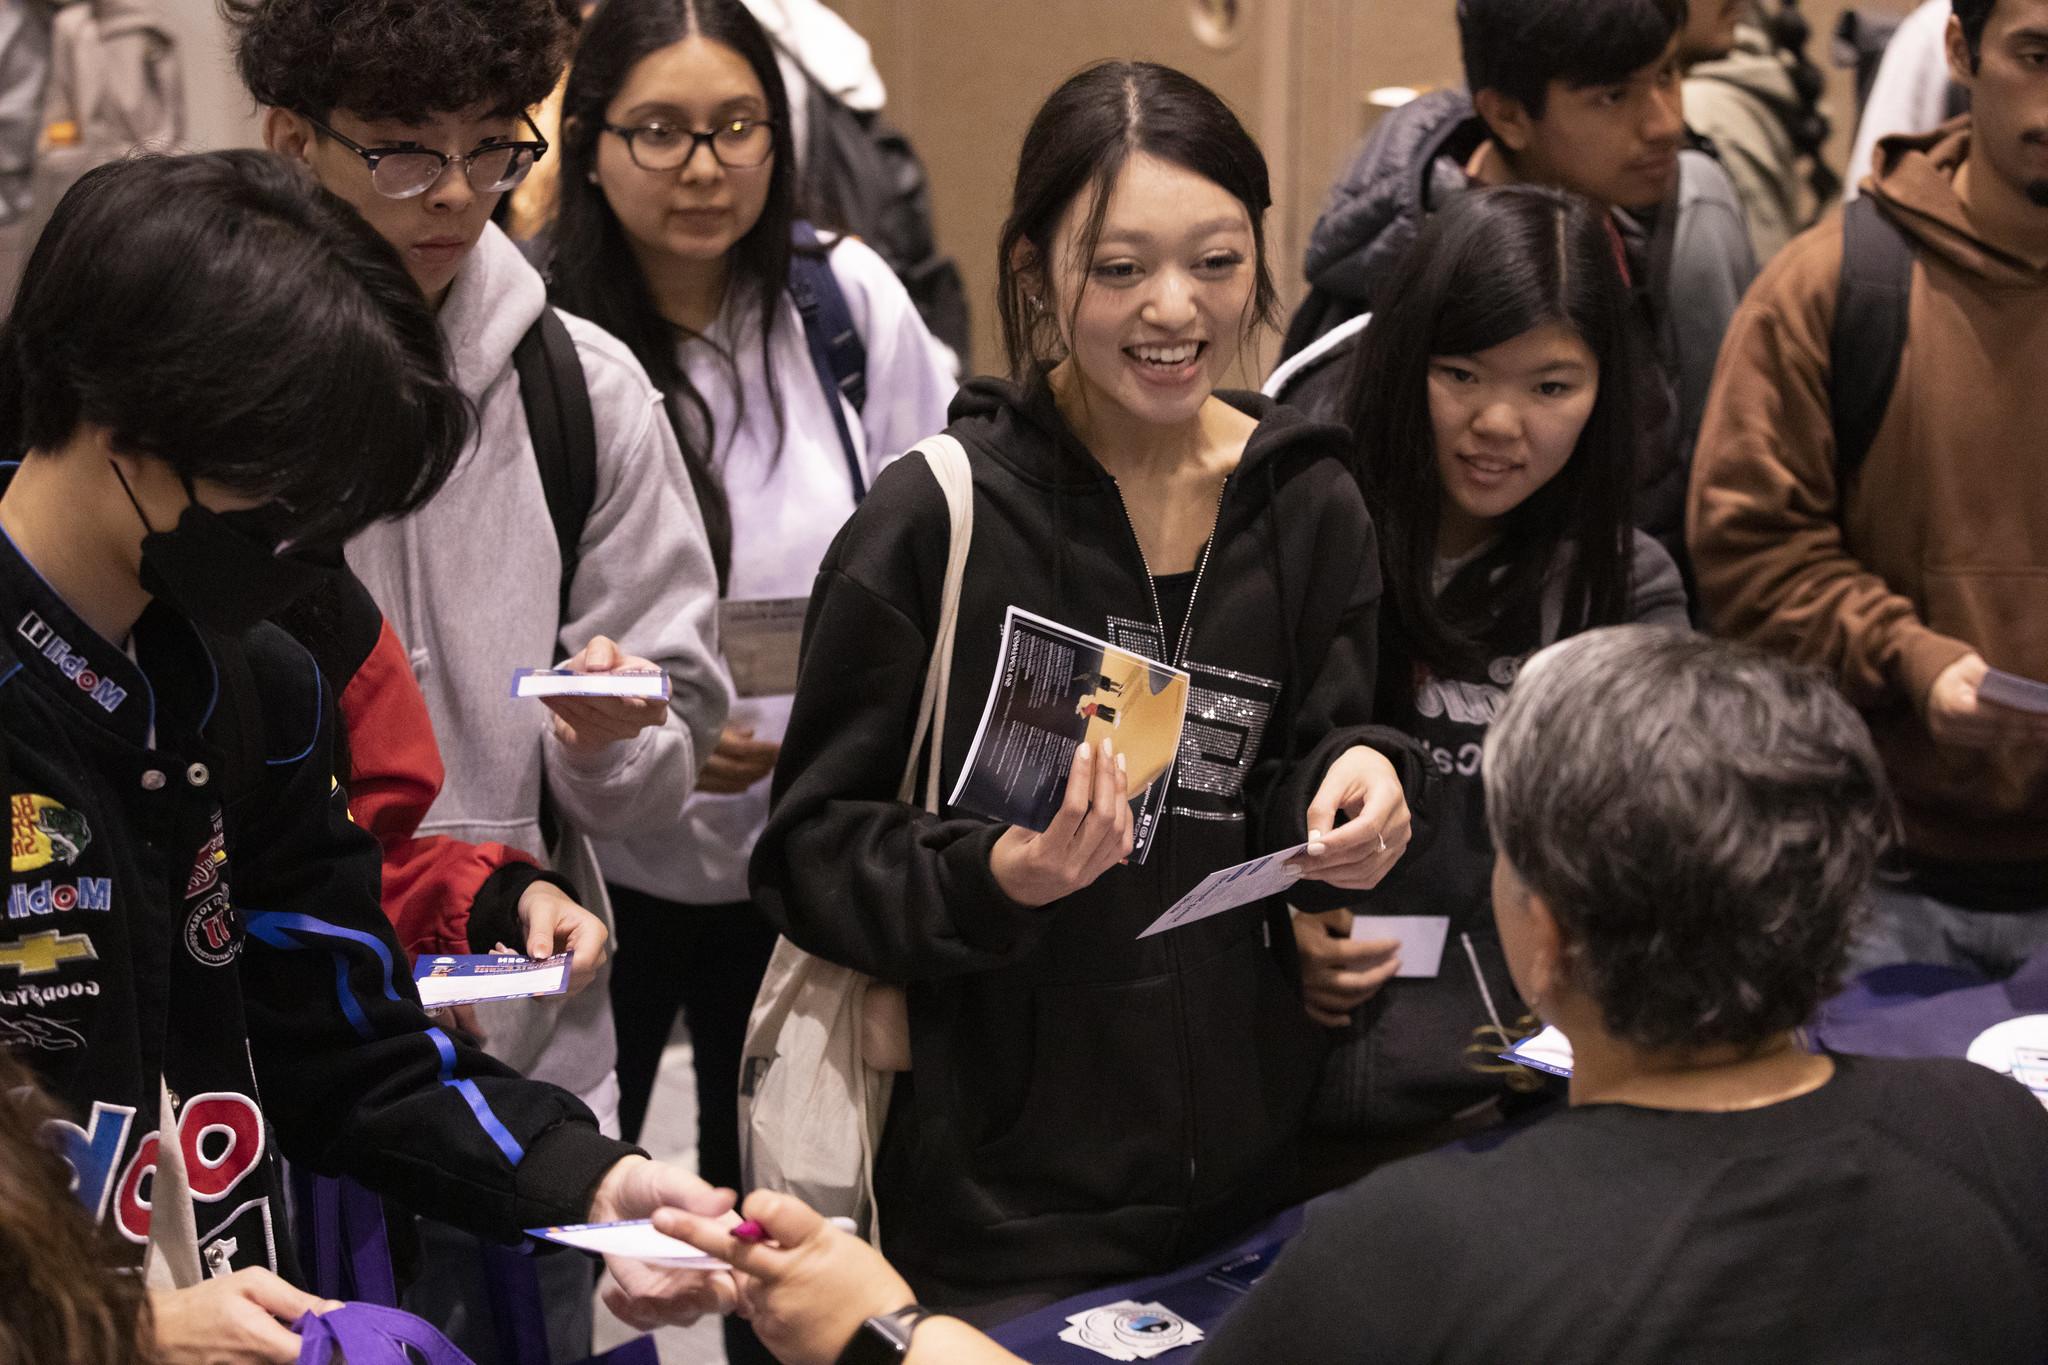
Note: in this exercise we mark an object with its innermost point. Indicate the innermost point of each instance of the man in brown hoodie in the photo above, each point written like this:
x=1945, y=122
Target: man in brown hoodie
x=1932, y=563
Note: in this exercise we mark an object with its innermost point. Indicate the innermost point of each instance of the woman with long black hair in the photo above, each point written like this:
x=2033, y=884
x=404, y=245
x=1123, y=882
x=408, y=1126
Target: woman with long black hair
x=677, y=232
x=1082, y=1105
x=1496, y=434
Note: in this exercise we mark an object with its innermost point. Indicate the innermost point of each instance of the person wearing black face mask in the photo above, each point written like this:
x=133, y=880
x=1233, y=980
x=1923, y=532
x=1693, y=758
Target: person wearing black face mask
x=213, y=376
x=230, y=568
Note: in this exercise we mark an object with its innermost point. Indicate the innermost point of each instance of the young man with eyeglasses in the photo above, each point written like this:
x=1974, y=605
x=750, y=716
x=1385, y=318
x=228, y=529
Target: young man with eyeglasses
x=414, y=114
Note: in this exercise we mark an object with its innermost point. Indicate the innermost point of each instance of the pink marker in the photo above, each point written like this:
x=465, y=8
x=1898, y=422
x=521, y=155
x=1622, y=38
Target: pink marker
x=752, y=1232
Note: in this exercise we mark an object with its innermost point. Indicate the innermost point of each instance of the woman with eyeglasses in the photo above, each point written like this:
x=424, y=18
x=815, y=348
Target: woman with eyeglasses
x=411, y=113
x=677, y=231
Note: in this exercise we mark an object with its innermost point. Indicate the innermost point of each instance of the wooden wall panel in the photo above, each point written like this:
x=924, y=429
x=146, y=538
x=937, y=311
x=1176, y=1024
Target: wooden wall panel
x=965, y=76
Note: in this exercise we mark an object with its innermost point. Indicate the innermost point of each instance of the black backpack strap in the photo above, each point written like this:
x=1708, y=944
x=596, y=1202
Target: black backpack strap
x=558, y=416
x=1871, y=306
x=837, y=352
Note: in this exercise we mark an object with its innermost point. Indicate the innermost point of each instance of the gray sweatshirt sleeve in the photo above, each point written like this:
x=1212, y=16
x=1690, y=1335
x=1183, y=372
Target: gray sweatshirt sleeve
x=1712, y=264
x=645, y=580
x=1659, y=591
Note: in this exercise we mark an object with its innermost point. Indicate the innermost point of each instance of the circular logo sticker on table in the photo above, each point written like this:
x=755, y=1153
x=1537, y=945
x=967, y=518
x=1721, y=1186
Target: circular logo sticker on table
x=2017, y=1048
x=1127, y=1330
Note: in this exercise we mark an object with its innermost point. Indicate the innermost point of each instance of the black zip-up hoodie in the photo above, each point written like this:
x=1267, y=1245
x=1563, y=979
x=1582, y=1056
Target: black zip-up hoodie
x=1083, y=1106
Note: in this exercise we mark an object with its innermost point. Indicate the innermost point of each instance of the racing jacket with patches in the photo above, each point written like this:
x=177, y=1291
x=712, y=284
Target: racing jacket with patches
x=192, y=929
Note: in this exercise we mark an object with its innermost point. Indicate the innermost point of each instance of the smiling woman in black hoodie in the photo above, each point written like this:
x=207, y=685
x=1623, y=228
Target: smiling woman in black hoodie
x=1084, y=1106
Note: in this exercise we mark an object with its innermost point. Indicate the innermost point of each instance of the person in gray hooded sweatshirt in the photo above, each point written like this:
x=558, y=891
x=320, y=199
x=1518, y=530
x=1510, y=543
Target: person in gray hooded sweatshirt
x=413, y=115
x=1756, y=97
x=1582, y=95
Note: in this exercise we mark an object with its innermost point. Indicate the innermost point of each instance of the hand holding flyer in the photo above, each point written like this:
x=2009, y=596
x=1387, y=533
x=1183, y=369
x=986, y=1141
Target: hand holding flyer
x=1091, y=833
x=1231, y=887
x=1055, y=690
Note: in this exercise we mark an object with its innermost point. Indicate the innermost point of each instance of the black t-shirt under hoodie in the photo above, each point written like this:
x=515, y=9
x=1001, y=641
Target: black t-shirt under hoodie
x=1084, y=1106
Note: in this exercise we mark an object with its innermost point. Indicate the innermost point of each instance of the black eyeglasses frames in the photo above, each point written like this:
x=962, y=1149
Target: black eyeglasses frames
x=405, y=172
x=737, y=144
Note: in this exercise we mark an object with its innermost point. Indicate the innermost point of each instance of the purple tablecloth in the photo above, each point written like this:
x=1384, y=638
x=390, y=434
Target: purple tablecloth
x=1914, y=1011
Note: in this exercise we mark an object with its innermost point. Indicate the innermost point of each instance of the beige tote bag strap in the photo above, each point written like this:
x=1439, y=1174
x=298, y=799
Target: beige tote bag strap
x=882, y=1007
x=947, y=460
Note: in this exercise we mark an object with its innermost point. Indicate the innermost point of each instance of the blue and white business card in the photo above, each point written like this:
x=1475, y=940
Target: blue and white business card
x=477, y=978
x=1547, y=1051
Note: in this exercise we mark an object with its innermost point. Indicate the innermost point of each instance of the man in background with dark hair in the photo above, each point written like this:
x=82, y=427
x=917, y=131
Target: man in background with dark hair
x=415, y=115
x=1582, y=95
x=1911, y=561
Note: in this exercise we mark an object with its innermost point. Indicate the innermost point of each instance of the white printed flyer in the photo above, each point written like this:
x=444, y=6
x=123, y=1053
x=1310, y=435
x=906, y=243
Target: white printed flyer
x=1232, y=887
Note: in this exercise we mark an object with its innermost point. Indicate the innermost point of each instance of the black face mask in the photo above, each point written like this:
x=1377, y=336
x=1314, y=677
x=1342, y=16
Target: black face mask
x=221, y=570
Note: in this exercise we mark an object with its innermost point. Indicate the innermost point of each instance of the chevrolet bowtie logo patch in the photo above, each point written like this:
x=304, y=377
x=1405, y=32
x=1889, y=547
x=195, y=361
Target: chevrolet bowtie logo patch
x=41, y=954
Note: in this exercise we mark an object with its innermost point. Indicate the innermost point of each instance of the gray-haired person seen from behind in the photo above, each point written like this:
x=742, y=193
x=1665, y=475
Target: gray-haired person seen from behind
x=1686, y=831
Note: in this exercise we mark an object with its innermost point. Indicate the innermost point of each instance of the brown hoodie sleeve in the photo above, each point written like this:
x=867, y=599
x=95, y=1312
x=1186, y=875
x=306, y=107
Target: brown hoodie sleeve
x=1763, y=520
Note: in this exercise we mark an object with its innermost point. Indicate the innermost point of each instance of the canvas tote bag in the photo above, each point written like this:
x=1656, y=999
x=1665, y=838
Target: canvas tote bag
x=824, y=1042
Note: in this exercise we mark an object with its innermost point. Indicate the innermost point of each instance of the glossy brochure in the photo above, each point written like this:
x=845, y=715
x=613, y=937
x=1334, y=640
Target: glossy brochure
x=1055, y=687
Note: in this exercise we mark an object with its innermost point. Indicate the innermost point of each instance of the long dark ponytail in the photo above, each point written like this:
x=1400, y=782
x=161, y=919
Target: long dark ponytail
x=1790, y=33
x=593, y=272
x=1492, y=266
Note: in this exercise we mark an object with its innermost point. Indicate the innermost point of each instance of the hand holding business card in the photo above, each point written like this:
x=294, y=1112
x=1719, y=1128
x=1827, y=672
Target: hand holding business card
x=2014, y=692
x=650, y=684
x=635, y=1239
x=478, y=978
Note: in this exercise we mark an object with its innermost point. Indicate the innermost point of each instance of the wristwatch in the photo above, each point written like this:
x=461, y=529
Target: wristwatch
x=884, y=1340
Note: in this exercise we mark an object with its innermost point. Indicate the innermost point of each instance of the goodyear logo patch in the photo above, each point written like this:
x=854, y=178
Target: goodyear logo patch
x=42, y=831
